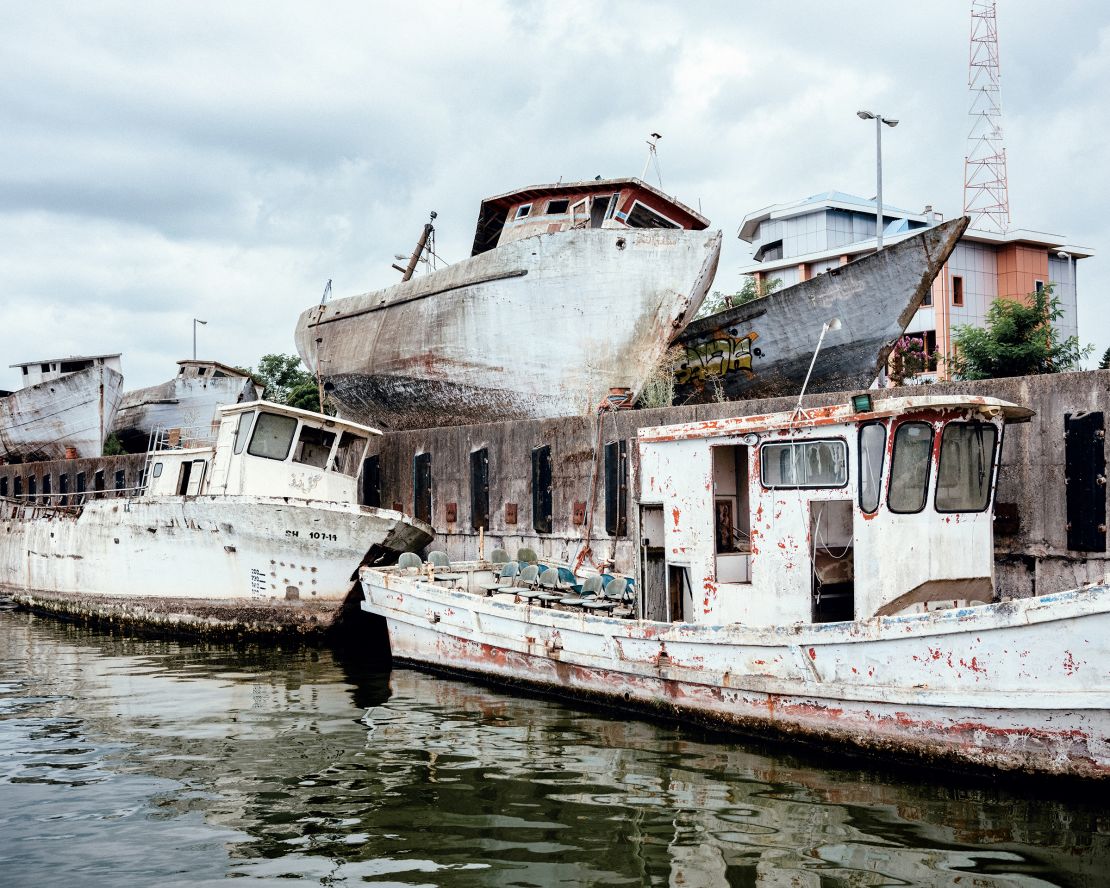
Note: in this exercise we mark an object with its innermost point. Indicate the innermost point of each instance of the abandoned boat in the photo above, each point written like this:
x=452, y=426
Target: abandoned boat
x=762, y=349
x=825, y=574
x=65, y=405
x=189, y=400
x=594, y=277
x=256, y=530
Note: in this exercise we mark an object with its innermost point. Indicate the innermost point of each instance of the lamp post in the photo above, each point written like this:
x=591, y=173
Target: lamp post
x=879, y=121
x=195, y=322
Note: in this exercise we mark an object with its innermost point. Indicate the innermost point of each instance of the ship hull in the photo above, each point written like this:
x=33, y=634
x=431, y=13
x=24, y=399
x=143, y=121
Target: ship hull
x=536, y=328
x=1016, y=686
x=182, y=403
x=257, y=563
x=763, y=349
x=74, y=412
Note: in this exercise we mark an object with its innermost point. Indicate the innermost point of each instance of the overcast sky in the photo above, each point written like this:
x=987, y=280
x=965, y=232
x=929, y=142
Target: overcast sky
x=160, y=162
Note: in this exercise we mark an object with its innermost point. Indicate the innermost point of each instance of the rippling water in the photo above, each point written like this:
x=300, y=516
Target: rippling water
x=138, y=762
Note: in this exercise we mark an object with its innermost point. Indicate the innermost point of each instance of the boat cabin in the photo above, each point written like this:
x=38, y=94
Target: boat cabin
x=596, y=203
x=49, y=369
x=205, y=370
x=834, y=513
x=263, y=449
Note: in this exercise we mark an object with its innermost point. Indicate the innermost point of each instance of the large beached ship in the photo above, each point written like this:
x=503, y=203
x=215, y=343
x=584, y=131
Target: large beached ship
x=572, y=289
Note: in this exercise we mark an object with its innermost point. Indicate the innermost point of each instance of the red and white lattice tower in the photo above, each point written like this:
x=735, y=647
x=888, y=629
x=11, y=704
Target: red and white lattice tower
x=986, y=190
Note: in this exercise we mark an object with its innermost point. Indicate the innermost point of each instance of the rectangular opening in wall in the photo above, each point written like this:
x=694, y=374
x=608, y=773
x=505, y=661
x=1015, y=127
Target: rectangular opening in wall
x=557, y=207
x=121, y=481
x=479, y=488
x=47, y=489
x=4, y=486
x=1084, y=469
x=1039, y=286
x=541, y=489
x=63, y=489
x=80, y=487
x=372, y=482
x=32, y=486
x=422, y=486
x=616, y=488
x=98, y=479
x=957, y=290
x=17, y=487
x=731, y=515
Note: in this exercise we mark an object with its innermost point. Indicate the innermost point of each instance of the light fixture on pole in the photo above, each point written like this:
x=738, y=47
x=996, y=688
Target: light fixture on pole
x=879, y=121
x=195, y=322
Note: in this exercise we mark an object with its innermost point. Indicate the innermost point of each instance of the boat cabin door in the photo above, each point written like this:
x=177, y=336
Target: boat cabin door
x=653, y=564
x=833, y=562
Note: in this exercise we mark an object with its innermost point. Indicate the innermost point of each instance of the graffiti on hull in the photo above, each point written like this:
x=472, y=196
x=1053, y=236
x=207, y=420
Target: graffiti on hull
x=716, y=358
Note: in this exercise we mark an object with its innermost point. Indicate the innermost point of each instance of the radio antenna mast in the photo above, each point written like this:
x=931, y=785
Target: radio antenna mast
x=986, y=187
x=653, y=159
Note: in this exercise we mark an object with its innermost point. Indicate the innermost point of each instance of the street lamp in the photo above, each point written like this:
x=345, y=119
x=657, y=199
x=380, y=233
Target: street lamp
x=879, y=121
x=195, y=322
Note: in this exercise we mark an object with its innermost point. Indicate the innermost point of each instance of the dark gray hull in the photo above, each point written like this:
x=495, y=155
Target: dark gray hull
x=763, y=349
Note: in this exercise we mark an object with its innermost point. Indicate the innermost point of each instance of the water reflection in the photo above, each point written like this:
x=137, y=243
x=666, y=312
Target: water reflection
x=127, y=760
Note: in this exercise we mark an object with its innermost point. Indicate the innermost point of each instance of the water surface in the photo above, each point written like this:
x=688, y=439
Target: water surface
x=138, y=762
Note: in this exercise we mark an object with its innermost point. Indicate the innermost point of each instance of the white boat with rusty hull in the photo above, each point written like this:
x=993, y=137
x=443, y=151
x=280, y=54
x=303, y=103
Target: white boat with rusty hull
x=762, y=349
x=65, y=405
x=572, y=290
x=190, y=400
x=256, y=531
x=828, y=575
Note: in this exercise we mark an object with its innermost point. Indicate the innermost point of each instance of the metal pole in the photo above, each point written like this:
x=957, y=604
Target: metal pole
x=194, y=339
x=879, y=181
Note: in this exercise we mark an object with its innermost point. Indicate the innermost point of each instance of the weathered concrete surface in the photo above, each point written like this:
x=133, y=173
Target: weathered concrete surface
x=543, y=326
x=130, y=464
x=763, y=349
x=75, y=410
x=1032, y=558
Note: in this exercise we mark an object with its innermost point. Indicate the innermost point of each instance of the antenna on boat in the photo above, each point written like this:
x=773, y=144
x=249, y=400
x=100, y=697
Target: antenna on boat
x=320, y=344
x=653, y=159
x=833, y=324
x=428, y=234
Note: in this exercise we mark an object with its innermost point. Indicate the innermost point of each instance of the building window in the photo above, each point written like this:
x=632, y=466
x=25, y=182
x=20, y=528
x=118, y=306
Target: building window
x=557, y=207
x=541, y=489
x=957, y=290
x=927, y=299
x=422, y=486
x=523, y=211
x=479, y=488
x=1039, y=285
x=616, y=488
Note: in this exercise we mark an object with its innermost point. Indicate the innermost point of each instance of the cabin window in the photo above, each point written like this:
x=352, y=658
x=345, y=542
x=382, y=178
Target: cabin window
x=32, y=486
x=909, y=467
x=63, y=488
x=541, y=489
x=218, y=374
x=242, y=430
x=45, y=368
x=313, y=447
x=557, y=207
x=46, y=489
x=201, y=371
x=273, y=436
x=349, y=453
x=599, y=209
x=17, y=487
x=966, y=466
x=422, y=486
x=872, y=452
x=479, y=488
x=80, y=482
x=157, y=470
x=4, y=486
x=98, y=479
x=523, y=211
x=641, y=217
x=616, y=488
x=794, y=464
x=181, y=372
x=121, y=481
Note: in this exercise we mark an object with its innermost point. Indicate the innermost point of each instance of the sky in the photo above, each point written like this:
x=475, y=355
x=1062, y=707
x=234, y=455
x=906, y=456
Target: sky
x=161, y=162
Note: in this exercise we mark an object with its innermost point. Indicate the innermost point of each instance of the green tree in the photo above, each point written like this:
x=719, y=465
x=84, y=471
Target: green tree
x=1020, y=339
x=1104, y=364
x=282, y=375
x=752, y=290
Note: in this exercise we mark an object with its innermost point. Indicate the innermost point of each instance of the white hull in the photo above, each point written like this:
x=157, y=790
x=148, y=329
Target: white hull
x=539, y=327
x=1022, y=685
x=74, y=411
x=220, y=550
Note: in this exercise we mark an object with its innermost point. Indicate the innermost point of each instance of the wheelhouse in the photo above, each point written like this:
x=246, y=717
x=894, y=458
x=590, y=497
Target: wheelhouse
x=836, y=513
x=268, y=449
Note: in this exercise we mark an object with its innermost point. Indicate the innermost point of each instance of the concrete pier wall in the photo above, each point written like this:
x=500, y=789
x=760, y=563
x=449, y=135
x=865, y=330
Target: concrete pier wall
x=1031, y=539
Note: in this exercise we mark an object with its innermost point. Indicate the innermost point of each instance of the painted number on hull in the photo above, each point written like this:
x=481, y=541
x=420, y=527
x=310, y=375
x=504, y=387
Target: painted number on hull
x=317, y=535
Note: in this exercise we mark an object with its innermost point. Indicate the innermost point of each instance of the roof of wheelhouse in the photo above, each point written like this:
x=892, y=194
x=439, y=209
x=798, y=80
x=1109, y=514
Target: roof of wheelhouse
x=491, y=214
x=297, y=413
x=833, y=414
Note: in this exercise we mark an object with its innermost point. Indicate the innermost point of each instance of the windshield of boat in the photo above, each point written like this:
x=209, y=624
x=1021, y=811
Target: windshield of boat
x=349, y=453
x=273, y=434
x=313, y=447
x=966, y=466
x=909, y=467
